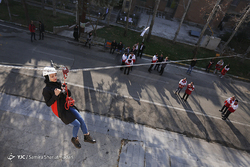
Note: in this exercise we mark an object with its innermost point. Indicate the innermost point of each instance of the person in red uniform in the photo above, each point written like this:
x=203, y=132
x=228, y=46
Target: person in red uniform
x=124, y=58
x=224, y=71
x=154, y=60
x=227, y=103
x=128, y=62
x=189, y=90
x=218, y=66
x=230, y=110
x=55, y=98
x=32, y=29
x=182, y=84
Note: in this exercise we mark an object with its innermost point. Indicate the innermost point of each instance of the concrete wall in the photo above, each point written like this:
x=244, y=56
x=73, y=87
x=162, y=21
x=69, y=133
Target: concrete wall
x=210, y=43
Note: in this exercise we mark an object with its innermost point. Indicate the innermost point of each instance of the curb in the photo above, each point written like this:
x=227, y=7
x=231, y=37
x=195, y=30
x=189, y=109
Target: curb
x=147, y=55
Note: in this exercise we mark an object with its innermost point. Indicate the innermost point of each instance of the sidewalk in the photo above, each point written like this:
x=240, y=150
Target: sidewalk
x=32, y=136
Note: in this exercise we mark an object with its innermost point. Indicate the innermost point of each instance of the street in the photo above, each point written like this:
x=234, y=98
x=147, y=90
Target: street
x=140, y=97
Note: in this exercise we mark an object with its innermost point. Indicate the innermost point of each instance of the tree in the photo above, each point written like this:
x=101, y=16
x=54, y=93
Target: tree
x=182, y=19
x=242, y=19
x=153, y=19
x=211, y=15
x=126, y=28
x=26, y=11
x=7, y=3
x=54, y=8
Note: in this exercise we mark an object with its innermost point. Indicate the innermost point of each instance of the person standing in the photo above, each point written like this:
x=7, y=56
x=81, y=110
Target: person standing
x=141, y=49
x=218, y=66
x=134, y=50
x=230, y=110
x=211, y=62
x=224, y=71
x=136, y=47
x=182, y=84
x=89, y=39
x=32, y=29
x=189, y=90
x=227, y=103
x=55, y=98
x=41, y=30
x=124, y=58
x=119, y=47
x=163, y=65
x=160, y=59
x=129, y=63
x=75, y=34
x=113, y=46
x=192, y=64
x=127, y=50
x=154, y=60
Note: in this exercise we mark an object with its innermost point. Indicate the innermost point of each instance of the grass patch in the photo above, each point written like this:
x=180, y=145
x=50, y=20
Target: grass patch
x=173, y=51
x=18, y=15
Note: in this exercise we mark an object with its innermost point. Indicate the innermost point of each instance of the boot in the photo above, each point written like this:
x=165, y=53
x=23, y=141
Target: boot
x=88, y=138
x=75, y=141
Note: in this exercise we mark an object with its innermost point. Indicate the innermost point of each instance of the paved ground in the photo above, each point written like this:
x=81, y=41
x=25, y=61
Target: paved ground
x=32, y=136
x=142, y=98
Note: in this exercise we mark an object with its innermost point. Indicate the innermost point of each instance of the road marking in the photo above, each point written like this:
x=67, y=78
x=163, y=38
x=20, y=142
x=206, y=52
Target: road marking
x=53, y=55
x=156, y=103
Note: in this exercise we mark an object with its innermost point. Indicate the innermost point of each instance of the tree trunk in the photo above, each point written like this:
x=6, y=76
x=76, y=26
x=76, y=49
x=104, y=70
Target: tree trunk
x=182, y=19
x=7, y=3
x=83, y=17
x=126, y=28
x=205, y=27
x=26, y=12
x=236, y=29
x=54, y=8
x=110, y=10
x=153, y=19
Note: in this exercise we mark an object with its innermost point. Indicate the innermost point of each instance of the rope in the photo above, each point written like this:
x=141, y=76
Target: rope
x=107, y=67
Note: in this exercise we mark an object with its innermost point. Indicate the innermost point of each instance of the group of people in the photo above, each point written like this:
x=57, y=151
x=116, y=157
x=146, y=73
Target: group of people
x=32, y=29
x=137, y=48
x=218, y=67
x=189, y=89
x=157, y=62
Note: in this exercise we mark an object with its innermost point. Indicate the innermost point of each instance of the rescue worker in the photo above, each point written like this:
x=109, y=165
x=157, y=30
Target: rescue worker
x=224, y=71
x=182, y=84
x=227, y=103
x=218, y=66
x=55, y=97
x=230, y=110
x=189, y=90
x=124, y=58
x=154, y=60
x=128, y=62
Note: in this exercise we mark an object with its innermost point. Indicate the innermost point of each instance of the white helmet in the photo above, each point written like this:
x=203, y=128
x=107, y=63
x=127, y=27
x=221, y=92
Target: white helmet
x=49, y=70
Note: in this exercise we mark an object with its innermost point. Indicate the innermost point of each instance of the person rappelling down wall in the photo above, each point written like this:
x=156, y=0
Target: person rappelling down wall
x=57, y=96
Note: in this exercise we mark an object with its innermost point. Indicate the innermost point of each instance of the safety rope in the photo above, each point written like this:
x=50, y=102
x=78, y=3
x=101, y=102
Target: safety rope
x=109, y=67
x=69, y=100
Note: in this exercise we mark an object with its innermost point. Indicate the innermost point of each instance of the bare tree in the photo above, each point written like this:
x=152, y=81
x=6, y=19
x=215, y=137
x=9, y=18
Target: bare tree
x=153, y=18
x=182, y=19
x=242, y=19
x=7, y=3
x=26, y=11
x=211, y=15
x=54, y=8
x=126, y=28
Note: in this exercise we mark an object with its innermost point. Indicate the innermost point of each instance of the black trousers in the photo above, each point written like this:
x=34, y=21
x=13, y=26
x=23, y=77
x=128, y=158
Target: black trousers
x=139, y=53
x=127, y=68
x=157, y=67
x=150, y=68
x=41, y=35
x=226, y=115
x=161, y=71
x=185, y=94
x=178, y=90
x=123, y=63
x=33, y=34
x=224, y=109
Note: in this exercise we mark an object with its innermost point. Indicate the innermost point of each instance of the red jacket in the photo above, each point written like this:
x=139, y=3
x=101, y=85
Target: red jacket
x=233, y=107
x=224, y=70
x=189, y=89
x=228, y=102
x=32, y=28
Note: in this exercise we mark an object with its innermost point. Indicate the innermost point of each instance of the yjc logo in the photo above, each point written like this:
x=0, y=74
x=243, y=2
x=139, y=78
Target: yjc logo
x=21, y=156
x=10, y=157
